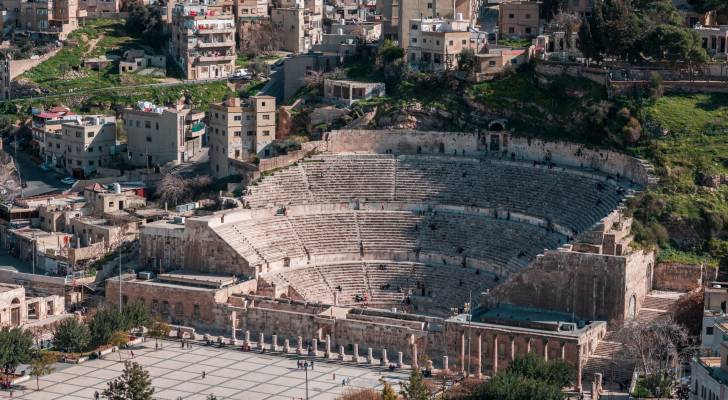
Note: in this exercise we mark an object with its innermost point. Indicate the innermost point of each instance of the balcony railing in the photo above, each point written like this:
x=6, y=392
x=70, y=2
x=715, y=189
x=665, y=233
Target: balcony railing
x=226, y=43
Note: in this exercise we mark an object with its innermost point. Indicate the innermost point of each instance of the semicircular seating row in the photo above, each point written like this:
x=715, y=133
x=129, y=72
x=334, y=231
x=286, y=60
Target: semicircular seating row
x=504, y=246
x=386, y=284
x=559, y=195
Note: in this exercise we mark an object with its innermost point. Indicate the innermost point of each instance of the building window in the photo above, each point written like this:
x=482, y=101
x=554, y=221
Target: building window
x=415, y=27
x=90, y=134
x=429, y=6
x=491, y=63
x=528, y=16
x=147, y=124
x=465, y=42
x=149, y=139
x=156, y=125
x=237, y=133
x=111, y=204
x=450, y=43
x=196, y=311
x=511, y=16
x=250, y=133
x=414, y=40
x=178, y=310
x=237, y=118
x=708, y=330
x=266, y=132
x=78, y=134
x=266, y=116
x=262, y=103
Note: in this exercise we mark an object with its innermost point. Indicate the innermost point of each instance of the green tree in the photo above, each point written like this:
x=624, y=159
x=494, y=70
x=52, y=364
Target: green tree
x=118, y=339
x=145, y=22
x=511, y=386
x=158, y=329
x=135, y=315
x=553, y=372
x=72, y=336
x=389, y=52
x=674, y=43
x=388, y=392
x=103, y=324
x=466, y=60
x=42, y=365
x=15, y=348
x=415, y=389
x=133, y=384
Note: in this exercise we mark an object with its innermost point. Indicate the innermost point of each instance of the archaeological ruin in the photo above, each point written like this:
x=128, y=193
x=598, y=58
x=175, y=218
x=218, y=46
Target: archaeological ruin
x=460, y=249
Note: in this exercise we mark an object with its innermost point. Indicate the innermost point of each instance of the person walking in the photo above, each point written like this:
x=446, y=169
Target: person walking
x=203, y=374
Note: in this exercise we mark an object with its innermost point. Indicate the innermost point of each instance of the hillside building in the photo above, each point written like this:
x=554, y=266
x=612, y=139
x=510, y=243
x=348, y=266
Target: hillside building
x=158, y=135
x=202, y=41
x=435, y=43
x=52, y=19
x=81, y=145
x=519, y=19
x=239, y=130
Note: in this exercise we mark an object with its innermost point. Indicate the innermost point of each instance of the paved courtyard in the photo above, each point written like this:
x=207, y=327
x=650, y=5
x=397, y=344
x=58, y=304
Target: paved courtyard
x=229, y=374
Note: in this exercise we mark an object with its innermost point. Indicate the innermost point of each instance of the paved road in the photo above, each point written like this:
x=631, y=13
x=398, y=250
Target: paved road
x=274, y=87
x=37, y=180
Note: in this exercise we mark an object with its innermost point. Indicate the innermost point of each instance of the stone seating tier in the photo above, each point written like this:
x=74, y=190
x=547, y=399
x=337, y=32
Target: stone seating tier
x=567, y=197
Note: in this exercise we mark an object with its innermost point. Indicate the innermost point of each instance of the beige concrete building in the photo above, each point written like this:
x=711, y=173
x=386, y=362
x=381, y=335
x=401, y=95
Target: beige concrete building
x=709, y=376
x=299, y=28
x=82, y=145
x=100, y=8
x=396, y=15
x=435, y=44
x=239, y=130
x=497, y=61
x=50, y=19
x=45, y=126
x=250, y=15
x=349, y=92
x=519, y=19
x=18, y=310
x=158, y=135
x=203, y=41
x=137, y=60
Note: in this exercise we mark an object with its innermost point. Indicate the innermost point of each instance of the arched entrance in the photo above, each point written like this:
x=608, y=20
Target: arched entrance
x=632, y=307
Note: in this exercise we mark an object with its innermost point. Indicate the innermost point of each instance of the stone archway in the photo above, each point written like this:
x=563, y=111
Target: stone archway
x=632, y=307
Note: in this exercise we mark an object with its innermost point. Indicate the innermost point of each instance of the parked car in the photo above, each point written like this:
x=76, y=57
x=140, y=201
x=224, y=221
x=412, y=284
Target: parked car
x=243, y=74
x=68, y=180
x=45, y=167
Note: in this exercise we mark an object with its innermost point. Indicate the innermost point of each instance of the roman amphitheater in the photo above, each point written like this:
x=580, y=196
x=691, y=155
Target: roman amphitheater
x=463, y=250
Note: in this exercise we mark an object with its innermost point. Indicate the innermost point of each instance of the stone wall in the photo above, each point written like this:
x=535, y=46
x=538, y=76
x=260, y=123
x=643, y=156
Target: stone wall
x=307, y=148
x=467, y=143
x=206, y=252
x=677, y=277
x=162, y=247
x=592, y=286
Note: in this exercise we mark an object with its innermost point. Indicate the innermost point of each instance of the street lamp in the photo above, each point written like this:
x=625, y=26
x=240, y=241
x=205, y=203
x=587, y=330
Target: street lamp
x=305, y=370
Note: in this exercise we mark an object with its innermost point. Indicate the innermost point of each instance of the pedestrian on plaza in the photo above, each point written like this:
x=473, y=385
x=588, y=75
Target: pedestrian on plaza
x=311, y=365
x=334, y=378
x=96, y=395
x=156, y=346
x=343, y=382
x=132, y=353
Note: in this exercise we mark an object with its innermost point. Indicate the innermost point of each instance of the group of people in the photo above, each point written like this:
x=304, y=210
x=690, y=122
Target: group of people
x=300, y=364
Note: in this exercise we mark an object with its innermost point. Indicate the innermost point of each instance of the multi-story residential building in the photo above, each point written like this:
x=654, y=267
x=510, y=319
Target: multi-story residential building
x=368, y=31
x=396, y=14
x=436, y=43
x=5, y=78
x=49, y=19
x=99, y=8
x=250, y=15
x=240, y=129
x=47, y=125
x=82, y=145
x=202, y=41
x=519, y=18
x=159, y=135
x=298, y=24
x=709, y=376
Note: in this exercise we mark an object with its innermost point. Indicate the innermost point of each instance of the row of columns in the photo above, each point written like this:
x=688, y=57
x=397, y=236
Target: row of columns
x=465, y=368
x=313, y=349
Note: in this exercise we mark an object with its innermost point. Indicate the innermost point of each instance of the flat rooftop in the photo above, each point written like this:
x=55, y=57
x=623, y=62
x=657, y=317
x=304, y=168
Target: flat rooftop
x=212, y=281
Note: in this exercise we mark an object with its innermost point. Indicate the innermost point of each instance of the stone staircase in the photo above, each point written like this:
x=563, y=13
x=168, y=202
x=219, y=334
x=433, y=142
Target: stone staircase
x=608, y=358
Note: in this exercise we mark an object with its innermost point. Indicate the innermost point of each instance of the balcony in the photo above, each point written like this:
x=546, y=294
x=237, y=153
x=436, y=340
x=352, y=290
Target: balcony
x=207, y=45
x=197, y=130
x=219, y=57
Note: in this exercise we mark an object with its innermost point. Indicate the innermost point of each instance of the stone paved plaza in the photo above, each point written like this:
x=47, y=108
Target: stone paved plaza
x=230, y=374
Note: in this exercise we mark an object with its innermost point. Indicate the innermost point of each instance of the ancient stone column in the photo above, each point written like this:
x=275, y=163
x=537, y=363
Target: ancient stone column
x=314, y=348
x=355, y=358
x=247, y=339
x=563, y=350
x=415, y=356
x=579, y=369
x=286, y=345
x=233, y=319
x=400, y=359
x=479, y=349
x=341, y=353
x=327, y=352
x=528, y=345
x=384, y=360
x=512, y=343
x=546, y=349
x=370, y=355
x=495, y=354
x=299, y=350
x=445, y=366
x=274, y=343
x=261, y=342
x=462, y=355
